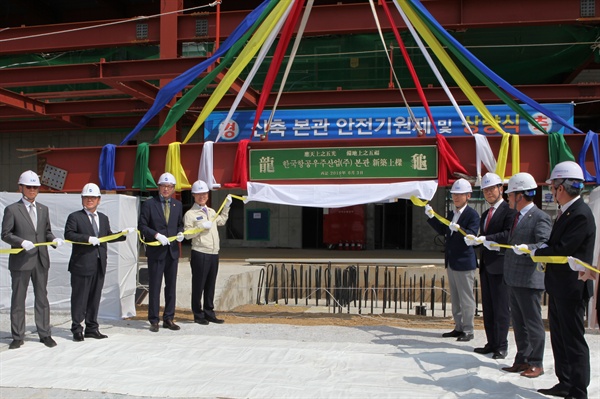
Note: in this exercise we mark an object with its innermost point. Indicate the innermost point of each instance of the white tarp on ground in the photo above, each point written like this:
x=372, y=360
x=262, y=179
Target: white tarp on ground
x=338, y=195
x=267, y=361
x=118, y=296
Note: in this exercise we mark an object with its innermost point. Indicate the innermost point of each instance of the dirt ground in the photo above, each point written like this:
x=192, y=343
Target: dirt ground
x=296, y=315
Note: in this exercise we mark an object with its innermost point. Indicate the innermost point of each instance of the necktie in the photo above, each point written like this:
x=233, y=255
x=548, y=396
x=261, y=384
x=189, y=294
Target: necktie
x=489, y=217
x=205, y=210
x=515, y=223
x=167, y=210
x=33, y=215
x=94, y=225
x=559, y=213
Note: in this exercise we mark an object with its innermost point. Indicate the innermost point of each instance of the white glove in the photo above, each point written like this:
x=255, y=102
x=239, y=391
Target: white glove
x=206, y=225
x=58, y=242
x=520, y=249
x=27, y=245
x=454, y=227
x=480, y=240
x=488, y=245
x=576, y=267
x=471, y=240
x=162, y=239
x=95, y=241
x=228, y=201
x=429, y=211
x=180, y=237
x=128, y=230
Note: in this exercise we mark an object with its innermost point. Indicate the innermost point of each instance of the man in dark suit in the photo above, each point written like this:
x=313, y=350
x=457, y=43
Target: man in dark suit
x=573, y=234
x=88, y=262
x=494, y=226
x=460, y=259
x=524, y=278
x=25, y=224
x=162, y=217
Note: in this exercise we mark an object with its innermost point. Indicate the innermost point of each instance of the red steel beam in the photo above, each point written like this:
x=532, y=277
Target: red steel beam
x=324, y=20
x=77, y=161
x=382, y=97
x=141, y=90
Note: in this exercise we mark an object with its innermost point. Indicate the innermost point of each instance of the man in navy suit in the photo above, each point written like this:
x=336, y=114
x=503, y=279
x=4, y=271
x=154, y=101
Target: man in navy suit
x=574, y=235
x=162, y=217
x=88, y=262
x=26, y=223
x=460, y=259
x=494, y=226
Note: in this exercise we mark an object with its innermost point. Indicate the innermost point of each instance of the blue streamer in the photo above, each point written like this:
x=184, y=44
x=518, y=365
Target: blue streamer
x=492, y=75
x=106, y=168
x=590, y=138
x=167, y=92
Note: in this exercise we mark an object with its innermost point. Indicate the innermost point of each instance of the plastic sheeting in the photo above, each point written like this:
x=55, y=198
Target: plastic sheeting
x=338, y=195
x=118, y=296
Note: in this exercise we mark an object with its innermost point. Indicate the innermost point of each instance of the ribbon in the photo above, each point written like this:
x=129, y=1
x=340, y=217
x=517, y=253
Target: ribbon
x=590, y=138
x=239, y=64
x=558, y=150
x=173, y=166
x=419, y=202
x=106, y=168
x=167, y=92
x=142, y=177
x=240, y=166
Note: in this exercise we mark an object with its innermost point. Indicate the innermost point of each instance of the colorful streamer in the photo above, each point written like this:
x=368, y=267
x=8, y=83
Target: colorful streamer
x=173, y=166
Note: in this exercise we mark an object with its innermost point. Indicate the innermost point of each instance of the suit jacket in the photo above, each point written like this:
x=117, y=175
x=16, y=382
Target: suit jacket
x=84, y=258
x=152, y=221
x=458, y=255
x=17, y=227
x=498, y=229
x=519, y=270
x=573, y=234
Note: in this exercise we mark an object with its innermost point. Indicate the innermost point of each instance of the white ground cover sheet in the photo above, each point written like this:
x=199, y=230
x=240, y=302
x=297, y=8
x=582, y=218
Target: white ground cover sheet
x=264, y=361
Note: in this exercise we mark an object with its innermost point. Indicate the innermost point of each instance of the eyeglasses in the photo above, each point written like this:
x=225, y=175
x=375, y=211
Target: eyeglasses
x=167, y=186
x=32, y=187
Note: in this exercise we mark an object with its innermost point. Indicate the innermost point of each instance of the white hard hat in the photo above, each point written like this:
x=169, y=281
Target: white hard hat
x=166, y=178
x=490, y=179
x=199, y=187
x=461, y=186
x=566, y=170
x=521, y=182
x=29, y=178
x=91, y=190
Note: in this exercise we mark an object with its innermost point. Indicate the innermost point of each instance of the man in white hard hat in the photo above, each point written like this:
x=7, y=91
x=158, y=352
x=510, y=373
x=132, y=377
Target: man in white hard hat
x=573, y=235
x=205, y=252
x=524, y=278
x=25, y=224
x=161, y=217
x=88, y=262
x=460, y=259
x=495, y=224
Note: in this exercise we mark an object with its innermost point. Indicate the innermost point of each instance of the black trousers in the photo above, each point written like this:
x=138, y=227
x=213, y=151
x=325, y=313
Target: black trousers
x=569, y=347
x=156, y=270
x=496, y=310
x=204, y=278
x=86, y=292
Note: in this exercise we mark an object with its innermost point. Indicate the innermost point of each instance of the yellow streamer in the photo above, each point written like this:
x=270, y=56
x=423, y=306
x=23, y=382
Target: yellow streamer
x=516, y=154
x=240, y=63
x=173, y=166
x=419, y=202
x=460, y=80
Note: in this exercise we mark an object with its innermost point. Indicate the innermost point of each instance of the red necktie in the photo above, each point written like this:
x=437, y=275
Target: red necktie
x=515, y=223
x=489, y=217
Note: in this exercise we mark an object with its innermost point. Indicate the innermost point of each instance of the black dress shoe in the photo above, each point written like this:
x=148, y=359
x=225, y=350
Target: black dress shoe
x=215, y=320
x=16, y=344
x=78, y=337
x=154, y=327
x=170, y=325
x=501, y=354
x=483, y=351
x=95, y=334
x=204, y=322
x=557, y=390
x=452, y=334
x=48, y=341
x=465, y=337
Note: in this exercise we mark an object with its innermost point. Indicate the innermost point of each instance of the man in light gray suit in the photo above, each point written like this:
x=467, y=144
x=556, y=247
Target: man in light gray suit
x=26, y=223
x=524, y=278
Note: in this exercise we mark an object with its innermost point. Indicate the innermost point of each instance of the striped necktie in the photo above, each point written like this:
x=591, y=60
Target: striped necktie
x=167, y=210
